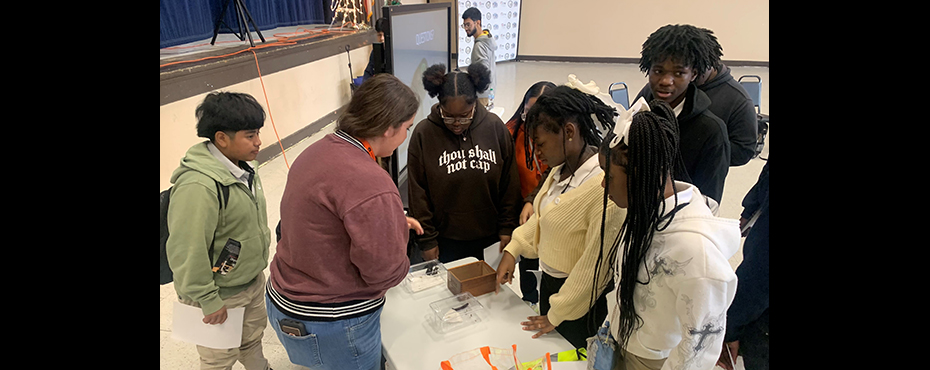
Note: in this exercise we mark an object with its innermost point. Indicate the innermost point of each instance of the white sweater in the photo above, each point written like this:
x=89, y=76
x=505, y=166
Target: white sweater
x=690, y=286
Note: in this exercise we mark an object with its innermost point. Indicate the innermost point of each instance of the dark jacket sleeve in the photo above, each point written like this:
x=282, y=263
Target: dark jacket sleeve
x=421, y=207
x=752, y=292
x=757, y=194
x=714, y=164
x=370, y=68
x=743, y=128
x=509, y=205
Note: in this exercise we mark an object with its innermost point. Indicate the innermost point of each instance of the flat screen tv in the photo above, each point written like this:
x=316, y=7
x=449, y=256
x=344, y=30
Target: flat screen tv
x=416, y=37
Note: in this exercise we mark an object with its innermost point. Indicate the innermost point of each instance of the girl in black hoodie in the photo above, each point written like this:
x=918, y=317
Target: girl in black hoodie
x=463, y=183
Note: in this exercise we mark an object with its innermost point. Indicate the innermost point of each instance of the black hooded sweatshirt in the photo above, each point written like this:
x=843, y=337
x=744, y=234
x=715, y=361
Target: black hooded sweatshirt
x=731, y=103
x=462, y=187
x=703, y=141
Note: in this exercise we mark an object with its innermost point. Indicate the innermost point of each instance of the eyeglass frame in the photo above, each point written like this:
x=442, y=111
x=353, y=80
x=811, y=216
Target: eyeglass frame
x=462, y=121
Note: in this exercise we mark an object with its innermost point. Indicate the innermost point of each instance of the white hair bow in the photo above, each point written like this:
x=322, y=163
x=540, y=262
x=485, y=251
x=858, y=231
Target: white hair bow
x=622, y=127
x=588, y=88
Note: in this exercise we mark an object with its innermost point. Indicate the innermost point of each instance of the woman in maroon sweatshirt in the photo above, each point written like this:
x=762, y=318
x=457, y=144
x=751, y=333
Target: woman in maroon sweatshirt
x=343, y=235
x=463, y=183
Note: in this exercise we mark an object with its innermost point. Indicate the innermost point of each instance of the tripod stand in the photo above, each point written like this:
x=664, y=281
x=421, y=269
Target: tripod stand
x=243, y=17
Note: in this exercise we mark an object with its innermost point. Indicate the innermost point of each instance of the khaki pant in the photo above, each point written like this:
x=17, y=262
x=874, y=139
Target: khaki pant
x=633, y=362
x=253, y=327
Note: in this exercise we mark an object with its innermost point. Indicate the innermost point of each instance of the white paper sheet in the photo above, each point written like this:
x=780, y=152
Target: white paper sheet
x=188, y=326
x=492, y=255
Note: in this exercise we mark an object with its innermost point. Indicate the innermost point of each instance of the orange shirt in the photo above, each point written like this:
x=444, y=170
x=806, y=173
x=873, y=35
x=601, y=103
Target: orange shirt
x=529, y=178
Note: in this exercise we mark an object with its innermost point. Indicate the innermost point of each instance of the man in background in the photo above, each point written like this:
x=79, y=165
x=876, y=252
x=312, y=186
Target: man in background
x=483, y=52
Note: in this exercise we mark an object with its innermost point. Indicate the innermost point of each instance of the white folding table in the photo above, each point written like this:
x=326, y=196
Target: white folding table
x=410, y=343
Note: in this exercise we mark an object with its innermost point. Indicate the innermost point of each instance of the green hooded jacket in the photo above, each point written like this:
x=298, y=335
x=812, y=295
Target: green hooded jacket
x=194, y=215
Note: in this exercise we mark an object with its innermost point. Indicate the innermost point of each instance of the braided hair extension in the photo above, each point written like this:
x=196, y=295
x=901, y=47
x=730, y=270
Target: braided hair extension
x=455, y=83
x=533, y=92
x=564, y=104
x=650, y=161
x=686, y=44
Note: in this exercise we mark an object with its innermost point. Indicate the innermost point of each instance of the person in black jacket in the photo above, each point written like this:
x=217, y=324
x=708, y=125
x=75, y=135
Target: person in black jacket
x=729, y=101
x=462, y=177
x=672, y=61
x=370, y=69
x=748, y=316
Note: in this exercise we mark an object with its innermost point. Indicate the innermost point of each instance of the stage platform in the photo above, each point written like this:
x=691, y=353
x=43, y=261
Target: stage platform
x=230, y=60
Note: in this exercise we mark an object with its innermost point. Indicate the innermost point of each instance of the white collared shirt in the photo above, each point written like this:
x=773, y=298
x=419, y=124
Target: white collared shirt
x=237, y=172
x=680, y=107
x=587, y=170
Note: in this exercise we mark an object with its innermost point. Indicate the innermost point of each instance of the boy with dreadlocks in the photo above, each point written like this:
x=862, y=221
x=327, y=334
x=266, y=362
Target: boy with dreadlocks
x=672, y=58
x=563, y=231
x=671, y=259
x=728, y=100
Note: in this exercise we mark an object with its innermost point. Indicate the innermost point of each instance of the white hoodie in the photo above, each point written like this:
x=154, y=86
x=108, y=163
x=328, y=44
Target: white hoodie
x=690, y=286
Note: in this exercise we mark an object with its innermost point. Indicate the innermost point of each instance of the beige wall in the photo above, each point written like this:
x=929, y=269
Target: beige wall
x=594, y=28
x=617, y=28
x=298, y=96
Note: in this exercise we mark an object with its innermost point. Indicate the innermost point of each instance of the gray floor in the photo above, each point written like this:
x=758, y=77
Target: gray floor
x=515, y=78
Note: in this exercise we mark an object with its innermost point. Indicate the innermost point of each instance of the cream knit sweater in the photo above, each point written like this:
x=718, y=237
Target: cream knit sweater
x=571, y=243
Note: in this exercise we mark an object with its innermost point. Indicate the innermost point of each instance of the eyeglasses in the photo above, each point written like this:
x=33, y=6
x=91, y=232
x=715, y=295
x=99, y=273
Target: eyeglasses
x=460, y=120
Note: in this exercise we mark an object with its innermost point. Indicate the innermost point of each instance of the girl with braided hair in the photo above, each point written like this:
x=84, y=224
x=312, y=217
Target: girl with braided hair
x=462, y=178
x=563, y=231
x=674, y=281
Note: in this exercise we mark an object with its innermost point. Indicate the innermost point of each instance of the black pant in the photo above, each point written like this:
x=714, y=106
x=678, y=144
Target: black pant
x=575, y=331
x=528, y=279
x=754, y=343
x=451, y=250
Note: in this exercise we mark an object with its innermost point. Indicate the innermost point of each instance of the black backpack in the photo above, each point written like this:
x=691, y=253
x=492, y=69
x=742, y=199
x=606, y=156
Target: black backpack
x=222, y=195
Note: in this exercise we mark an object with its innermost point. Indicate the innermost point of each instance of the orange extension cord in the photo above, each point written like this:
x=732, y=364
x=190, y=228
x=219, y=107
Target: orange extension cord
x=279, y=41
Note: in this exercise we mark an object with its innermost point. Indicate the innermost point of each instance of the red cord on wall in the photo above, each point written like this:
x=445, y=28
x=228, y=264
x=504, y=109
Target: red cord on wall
x=267, y=104
x=282, y=40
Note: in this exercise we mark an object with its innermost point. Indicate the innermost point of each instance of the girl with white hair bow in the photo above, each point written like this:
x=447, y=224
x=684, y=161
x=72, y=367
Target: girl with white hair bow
x=670, y=261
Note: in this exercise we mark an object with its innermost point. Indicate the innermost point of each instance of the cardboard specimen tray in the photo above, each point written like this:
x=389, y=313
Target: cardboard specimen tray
x=476, y=278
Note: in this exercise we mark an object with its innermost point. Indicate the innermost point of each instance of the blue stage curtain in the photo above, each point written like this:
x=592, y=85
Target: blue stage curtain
x=184, y=21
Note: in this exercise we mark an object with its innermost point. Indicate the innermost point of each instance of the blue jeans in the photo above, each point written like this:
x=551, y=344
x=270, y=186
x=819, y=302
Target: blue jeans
x=334, y=345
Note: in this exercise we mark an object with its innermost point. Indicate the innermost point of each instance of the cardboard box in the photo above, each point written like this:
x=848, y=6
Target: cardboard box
x=476, y=278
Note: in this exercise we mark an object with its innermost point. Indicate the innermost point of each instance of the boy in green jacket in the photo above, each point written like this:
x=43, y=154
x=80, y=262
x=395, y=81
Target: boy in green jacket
x=236, y=231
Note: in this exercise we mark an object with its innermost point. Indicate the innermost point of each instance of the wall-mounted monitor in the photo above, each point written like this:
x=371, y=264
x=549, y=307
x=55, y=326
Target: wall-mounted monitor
x=416, y=37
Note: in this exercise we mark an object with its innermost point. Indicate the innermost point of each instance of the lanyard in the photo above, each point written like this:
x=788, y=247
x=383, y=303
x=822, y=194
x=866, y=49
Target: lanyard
x=368, y=149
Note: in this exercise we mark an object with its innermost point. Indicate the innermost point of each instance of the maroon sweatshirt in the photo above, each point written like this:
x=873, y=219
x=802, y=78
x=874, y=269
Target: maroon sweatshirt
x=343, y=232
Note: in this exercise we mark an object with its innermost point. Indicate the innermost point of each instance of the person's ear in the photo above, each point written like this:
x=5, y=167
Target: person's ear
x=221, y=139
x=570, y=129
x=389, y=132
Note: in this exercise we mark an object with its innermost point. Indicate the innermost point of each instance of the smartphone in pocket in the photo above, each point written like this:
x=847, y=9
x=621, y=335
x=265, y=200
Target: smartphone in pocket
x=293, y=327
